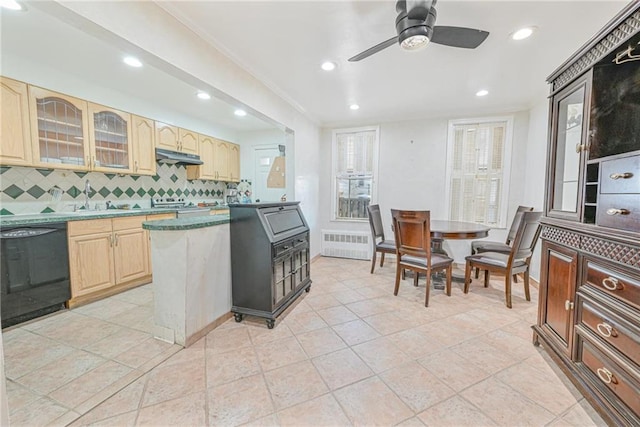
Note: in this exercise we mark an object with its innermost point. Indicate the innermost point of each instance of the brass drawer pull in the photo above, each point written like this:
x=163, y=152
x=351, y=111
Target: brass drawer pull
x=606, y=330
x=610, y=283
x=624, y=175
x=614, y=211
x=606, y=376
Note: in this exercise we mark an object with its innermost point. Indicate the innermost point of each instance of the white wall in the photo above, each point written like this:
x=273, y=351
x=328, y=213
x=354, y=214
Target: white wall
x=412, y=173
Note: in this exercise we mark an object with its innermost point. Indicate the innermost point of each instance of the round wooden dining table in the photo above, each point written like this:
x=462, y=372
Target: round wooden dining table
x=453, y=230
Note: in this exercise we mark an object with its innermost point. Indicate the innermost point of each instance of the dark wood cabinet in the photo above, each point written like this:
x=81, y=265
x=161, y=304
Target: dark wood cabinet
x=557, y=299
x=589, y=303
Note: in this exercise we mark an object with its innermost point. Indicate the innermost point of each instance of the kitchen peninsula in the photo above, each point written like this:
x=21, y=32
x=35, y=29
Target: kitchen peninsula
x=191, y=276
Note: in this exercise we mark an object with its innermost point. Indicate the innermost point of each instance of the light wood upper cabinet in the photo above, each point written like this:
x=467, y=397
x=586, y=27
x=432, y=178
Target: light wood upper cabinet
x=143, y=145
x=176, y=139
x=188, y=141
x=59, y=130
x=110, y=139
x=207, y=169
x=234, y=163
x=221, y=160
x=167, y=136
x=15, y=141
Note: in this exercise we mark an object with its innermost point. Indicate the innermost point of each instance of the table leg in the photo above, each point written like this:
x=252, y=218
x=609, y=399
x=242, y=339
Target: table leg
x=440, y=277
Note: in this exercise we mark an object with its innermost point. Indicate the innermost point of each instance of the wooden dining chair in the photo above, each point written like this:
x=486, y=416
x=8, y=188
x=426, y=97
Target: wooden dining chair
x=413, y=249
x=516, y=261
x=479, y=246
x=377, y=236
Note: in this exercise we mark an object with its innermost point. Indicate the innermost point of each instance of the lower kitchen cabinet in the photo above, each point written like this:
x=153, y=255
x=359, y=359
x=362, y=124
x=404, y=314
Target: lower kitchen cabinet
x=107, y=256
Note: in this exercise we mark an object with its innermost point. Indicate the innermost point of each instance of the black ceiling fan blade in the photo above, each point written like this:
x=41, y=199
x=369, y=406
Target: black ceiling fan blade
x=468, y=38
x=377, y=48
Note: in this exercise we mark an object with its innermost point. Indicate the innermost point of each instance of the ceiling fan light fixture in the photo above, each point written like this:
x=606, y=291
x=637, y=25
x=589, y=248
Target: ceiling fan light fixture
x=414, y=38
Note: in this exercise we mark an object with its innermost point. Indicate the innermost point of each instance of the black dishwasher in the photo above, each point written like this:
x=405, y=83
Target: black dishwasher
x=34, y=271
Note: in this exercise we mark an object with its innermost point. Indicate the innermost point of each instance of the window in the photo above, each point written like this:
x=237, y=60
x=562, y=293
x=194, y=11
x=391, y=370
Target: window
x=478, y=153
x=355, y=163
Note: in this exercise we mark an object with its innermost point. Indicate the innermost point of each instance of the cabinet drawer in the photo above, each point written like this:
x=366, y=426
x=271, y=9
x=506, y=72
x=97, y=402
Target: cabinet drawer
x=619, y=211
x=129, y=222
x=620, y=175
x=609, y=374
x=283, y=248
x=612, y=282
x=90, y=226
x=615, y=331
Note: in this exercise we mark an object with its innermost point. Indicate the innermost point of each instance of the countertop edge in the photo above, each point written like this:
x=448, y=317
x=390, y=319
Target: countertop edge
x=193, y=223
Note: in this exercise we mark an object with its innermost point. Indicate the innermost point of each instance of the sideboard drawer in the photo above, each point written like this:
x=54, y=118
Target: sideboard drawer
x=620, y=175
x=620, y=334
x=619, y=211
x=612, y=282
x=609, y=374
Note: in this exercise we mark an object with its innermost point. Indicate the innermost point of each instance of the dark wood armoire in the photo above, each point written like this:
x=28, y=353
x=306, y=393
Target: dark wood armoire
x=589, y=302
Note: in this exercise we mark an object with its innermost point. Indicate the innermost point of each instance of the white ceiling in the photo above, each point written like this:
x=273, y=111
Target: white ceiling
x=284, y=42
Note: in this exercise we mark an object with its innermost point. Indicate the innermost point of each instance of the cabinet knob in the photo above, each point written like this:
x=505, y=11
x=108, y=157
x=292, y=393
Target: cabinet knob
x=610, y=283
x=568, y=305
x=135, y=166
x=606, y=330
x=606, y=376
x=623, y=175
x=615, y=211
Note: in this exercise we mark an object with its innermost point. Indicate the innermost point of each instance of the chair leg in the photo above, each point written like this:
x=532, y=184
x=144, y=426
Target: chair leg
x=507, y=289
x=373, y=261
x=486, y=278
x=398, y=272
x=415, y=278
x=381, y=259
x=477, y=272
x=467, y=277
x=515, y=278
x=426, y=298
x=449, y=274
x=404, y=276
x=526, y=285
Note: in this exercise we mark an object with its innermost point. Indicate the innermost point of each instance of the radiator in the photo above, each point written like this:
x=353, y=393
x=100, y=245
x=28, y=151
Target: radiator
x=346, y=244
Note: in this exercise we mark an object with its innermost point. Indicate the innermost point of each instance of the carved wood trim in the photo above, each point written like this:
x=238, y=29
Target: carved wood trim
x=626, y=29
x=621, y=253
x=564, y=237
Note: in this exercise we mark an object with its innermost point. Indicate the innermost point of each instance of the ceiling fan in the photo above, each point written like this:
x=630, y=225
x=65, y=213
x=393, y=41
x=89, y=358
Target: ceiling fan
x=415, y=27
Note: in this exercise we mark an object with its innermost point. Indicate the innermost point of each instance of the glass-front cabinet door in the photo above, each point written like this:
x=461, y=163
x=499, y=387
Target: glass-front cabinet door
x=58, y=130
x=110, y=132
x=569, y=109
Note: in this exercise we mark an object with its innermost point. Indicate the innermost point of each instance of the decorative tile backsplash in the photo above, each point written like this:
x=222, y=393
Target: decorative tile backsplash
x=29, y=190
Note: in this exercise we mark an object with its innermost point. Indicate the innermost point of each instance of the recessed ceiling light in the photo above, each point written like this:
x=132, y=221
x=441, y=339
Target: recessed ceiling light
x=132, y=61
x=354, y=106
x=482, y=92
x=240, y=113
x=328, y=66
x=203, y=95
x=523, y=33
x=11, y=5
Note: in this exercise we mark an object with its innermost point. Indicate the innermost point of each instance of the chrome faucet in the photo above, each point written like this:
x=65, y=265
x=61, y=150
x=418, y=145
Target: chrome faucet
x=87, y=190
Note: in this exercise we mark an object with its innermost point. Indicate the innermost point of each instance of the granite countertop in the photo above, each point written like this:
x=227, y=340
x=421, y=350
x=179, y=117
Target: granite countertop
x=44, y=218
x=186, y=223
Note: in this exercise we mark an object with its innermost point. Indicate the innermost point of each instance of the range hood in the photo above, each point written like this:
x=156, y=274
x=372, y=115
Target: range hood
x=173, y=157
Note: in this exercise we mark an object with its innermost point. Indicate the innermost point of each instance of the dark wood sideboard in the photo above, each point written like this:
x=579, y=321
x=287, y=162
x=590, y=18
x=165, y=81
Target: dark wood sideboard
x=589, y=302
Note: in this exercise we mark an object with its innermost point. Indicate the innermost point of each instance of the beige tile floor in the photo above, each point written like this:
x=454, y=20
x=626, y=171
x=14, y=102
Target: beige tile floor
x=347, y=353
